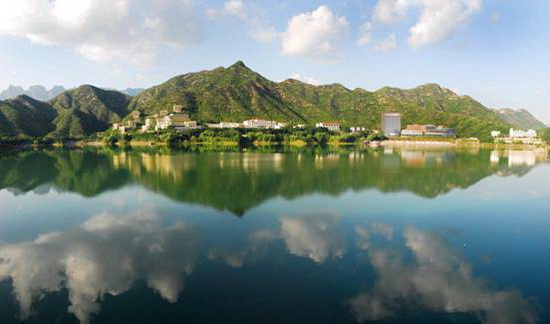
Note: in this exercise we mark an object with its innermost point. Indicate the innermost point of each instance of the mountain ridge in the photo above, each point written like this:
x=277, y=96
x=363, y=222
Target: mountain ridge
x=237, y=93
x=520, y=118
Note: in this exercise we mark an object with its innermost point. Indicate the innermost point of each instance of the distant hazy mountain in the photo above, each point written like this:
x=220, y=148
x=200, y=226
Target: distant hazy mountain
x=132, y=92
x=37, y=92
x=521, y=118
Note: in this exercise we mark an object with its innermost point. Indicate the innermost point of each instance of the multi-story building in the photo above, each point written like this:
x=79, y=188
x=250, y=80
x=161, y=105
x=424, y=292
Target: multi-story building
x=331, y=126
x=261, y=124
x=438, y=131
x=516, y=133
x=225, y=125
x=178, y=121
x=391, y=124
x=428, y=131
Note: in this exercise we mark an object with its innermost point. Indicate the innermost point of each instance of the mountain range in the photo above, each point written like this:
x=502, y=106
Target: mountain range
x=236, y=93
x=521, y=118
x=37, y=92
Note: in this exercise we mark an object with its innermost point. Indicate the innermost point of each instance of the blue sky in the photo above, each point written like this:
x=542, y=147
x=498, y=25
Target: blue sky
x=497, y=51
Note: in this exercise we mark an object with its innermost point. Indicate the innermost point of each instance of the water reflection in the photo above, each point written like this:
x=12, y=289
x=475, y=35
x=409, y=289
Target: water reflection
x=437, y=278
x=109, y=253
x=211, y=179
x=105, y=256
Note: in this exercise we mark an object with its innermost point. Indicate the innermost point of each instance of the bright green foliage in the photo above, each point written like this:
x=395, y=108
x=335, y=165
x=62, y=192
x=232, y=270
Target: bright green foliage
x=76, y=113
x=238, y=93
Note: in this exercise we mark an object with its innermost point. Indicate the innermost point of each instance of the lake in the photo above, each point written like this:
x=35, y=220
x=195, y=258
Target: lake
x=274, y=236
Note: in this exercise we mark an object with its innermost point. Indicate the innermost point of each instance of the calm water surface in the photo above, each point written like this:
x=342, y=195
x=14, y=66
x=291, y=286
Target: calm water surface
x=311, y=236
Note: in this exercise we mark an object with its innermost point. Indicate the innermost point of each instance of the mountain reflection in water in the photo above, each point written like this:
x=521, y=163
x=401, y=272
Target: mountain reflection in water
x=329, y=236
x=211, y=179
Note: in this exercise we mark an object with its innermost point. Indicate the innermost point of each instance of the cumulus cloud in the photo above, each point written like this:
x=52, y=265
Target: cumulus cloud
x=313, y=236
x=365, y=34
x=438, y=20
x=103, y=30
x=317, y=35
x=254, y=17
x=303, y=78
x=387, y=44
x=103, y=257
x=439, y=278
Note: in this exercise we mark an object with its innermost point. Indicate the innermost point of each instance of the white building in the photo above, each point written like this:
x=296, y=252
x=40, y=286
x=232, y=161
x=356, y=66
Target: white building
x=358, y=129
x=515, y=133
x=412, y=132
x=495, y=134
x=177, y=121
x=262, y=124
x=331, y=126
x=391, y=124
x=225, y=125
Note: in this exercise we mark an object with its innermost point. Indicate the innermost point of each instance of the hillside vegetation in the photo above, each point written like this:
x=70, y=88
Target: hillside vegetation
x=237, y=93
x=73, y=114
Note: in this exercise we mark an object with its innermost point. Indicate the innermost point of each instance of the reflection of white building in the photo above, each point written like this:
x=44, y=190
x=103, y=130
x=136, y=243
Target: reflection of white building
x=516, y=158
x=495, y=157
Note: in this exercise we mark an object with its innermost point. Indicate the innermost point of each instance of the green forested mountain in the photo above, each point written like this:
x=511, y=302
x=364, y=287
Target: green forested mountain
x=521, y=119
x=237, y=93
x=75, y=113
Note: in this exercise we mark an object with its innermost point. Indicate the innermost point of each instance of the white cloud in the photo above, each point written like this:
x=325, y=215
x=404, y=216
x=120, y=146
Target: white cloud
x=391, y=11
x=236, y=8
x=436, y=277
x=317, y=35
x=313, y=236
x=254, y=17
x=387, y=45
x=103, y=30
x=438, y=20
x=365, y=34
x=305, y=79
x=106, y=256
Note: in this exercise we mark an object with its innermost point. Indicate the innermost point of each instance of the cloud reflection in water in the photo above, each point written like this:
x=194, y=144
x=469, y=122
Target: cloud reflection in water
x=105, y=256
x=438, y=278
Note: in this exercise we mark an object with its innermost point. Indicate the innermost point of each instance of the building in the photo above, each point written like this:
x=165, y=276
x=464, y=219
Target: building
x=438, y=131
x=136, y=115
x=427, y=131
x=358, y=129
x=149, y=123
x=177, y=121
x=331, y=126
x=413, y=130
x=515, y=133
x=262, y=124
x=391, y=124
x=495, y=134
x=225, y=125
x=516, y=136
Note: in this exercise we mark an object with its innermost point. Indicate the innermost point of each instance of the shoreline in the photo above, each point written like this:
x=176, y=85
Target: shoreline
x=448, y=144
